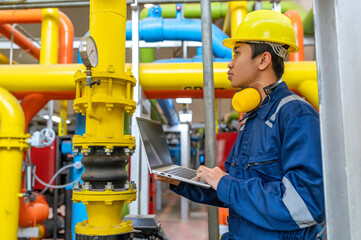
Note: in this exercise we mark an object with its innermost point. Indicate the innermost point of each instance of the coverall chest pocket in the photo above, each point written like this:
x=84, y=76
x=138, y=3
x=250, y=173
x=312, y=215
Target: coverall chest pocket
x=236, y=169
x=268, y=168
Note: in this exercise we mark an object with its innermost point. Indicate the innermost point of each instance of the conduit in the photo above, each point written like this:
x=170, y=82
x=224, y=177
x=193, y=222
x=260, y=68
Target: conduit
x=12, y=145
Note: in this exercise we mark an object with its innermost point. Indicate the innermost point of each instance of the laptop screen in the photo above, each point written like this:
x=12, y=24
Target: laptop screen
x=155, y=143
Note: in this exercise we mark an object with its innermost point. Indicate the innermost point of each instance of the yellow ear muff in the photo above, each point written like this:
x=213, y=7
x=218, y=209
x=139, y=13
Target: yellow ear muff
x=246, y=100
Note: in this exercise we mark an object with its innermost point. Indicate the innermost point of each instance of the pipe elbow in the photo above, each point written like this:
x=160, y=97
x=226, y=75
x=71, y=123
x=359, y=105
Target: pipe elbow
x=11, y=115
x=32, y=213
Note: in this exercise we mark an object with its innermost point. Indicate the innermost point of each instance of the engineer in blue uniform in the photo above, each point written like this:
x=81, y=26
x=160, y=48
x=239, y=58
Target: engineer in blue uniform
x=273, y=181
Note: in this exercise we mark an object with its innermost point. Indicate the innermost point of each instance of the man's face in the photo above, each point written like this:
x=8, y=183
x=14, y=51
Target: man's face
x=242, y=69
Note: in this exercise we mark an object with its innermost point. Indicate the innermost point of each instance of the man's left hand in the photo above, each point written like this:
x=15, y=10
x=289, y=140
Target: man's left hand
x=210, y=175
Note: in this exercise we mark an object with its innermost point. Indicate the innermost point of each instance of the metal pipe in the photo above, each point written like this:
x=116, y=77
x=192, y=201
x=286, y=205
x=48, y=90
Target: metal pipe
x=210, y=128
x=185, y=76
x=135, y=172
x=12, y=144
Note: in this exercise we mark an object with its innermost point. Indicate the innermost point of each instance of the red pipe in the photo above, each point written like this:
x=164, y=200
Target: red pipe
x=298, y=26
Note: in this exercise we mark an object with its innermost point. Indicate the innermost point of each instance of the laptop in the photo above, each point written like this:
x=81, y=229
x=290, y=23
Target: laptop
x=159, y=159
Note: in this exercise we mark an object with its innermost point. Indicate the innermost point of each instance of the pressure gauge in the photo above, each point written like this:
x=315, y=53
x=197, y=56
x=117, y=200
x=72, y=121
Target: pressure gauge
x=88, y=51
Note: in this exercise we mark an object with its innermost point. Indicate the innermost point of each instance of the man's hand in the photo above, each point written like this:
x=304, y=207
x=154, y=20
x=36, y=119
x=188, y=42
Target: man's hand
x=210, y=175
x=166, y=180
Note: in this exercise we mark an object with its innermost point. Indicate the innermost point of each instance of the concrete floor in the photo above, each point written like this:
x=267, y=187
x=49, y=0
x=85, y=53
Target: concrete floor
x=195, y=228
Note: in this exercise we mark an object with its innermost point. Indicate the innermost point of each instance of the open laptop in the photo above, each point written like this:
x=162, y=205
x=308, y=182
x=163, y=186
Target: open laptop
x=159, y=159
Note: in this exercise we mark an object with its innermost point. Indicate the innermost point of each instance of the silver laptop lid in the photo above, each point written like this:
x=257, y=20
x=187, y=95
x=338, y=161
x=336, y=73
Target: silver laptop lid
x=155, y=143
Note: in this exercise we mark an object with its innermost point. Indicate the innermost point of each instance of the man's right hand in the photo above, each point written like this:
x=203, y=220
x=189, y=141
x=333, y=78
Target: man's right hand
x=166, y=180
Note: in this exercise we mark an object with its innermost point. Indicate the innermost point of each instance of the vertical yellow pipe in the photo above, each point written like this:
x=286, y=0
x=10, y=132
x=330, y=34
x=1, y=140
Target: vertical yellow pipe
x=238, y=13
x=12, y=144
x=49, y=36
x=104, y=105
x=62, y=127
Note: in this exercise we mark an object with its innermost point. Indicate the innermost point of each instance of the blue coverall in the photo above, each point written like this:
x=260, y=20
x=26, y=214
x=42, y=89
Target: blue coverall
x=274, y=187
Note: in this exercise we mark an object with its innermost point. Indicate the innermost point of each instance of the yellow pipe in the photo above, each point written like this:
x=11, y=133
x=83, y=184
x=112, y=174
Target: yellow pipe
x=33, y=77
x=49, y=37
x=309, y=90
x=238, y=11
x=62, y=127
x=104, y=105
x=12, y=144
x=5, y=60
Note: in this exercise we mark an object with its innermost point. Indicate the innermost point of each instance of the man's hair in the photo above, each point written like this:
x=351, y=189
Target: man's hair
x=277, y=62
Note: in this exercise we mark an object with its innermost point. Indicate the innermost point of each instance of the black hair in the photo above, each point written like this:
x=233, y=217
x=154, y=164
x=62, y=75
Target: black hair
x=277, y=62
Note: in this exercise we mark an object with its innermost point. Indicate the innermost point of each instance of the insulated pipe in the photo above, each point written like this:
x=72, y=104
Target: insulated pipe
x=12, y=145
x=159, y=29
x=298, y=26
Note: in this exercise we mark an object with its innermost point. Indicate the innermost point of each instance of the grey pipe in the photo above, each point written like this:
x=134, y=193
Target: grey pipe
x=208, y=93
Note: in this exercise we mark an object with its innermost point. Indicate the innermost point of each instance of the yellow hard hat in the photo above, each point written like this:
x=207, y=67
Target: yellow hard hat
x=265, y=26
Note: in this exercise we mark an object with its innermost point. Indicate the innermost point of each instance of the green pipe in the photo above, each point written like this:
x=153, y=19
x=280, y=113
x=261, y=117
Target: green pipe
x=154, y=113
x=146, y=55
x=219, y=9
x=308, y=27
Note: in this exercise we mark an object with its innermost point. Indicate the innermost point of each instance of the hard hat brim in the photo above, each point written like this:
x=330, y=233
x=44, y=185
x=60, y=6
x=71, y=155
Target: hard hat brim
x=231, y=42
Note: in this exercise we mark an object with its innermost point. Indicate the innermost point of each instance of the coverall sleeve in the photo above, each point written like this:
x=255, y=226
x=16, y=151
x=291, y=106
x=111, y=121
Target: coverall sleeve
x=199, y=194
x=294, y=202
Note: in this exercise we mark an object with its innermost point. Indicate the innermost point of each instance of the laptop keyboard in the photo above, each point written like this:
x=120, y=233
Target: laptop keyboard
x=183, y=172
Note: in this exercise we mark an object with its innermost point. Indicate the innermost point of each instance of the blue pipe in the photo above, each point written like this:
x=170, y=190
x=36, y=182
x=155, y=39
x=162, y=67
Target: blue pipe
x=155, y=29
x=79, y=213
x=169, y=111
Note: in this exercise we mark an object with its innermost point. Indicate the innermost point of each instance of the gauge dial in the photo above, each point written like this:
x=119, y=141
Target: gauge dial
x=88, y=51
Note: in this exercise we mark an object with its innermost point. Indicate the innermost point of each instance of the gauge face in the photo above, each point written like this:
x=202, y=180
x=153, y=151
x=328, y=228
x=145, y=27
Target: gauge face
x=88, y=51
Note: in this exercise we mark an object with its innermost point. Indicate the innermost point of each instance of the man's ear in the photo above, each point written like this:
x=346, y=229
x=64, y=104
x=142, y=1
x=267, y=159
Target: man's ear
x=265, y=61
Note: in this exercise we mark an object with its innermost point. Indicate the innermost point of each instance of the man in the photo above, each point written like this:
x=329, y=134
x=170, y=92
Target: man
x=273, y=185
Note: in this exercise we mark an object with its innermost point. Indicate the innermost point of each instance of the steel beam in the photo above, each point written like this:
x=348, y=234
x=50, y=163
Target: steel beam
x=337, y=34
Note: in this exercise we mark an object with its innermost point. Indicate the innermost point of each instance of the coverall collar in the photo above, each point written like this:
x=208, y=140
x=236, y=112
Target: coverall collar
x=279, y=92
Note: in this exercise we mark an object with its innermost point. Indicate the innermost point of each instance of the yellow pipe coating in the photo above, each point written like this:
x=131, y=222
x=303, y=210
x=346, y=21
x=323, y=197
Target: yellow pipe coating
x=33, y=77
x=49, y=36
x=12, y=144
x=152, y=76
x=62, y=126
x=104, y=105
x=239, y=11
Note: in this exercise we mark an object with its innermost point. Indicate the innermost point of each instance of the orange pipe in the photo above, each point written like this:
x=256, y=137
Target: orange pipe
x=66, y=38
x=21, y=16
x=32, y=104
x=66, y=32
x=32, y=213
x=20, y=40
x=298, y=26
